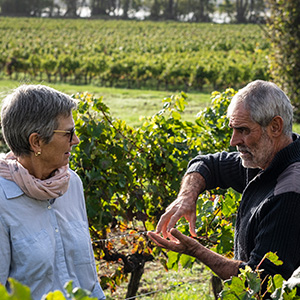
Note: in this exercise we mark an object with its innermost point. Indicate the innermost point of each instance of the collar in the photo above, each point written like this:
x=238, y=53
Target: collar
x=10, y=188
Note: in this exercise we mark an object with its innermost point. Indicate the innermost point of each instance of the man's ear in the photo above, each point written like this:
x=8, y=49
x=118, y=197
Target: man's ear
x=276, y=126
x=35, y=142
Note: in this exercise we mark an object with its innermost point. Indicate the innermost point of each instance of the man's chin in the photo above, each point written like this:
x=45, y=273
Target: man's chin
x=249, y=165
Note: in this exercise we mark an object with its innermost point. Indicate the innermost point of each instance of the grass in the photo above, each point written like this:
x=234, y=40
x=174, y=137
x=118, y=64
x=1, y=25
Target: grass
x=180, y=285
x=125, y=104
x=158, y=284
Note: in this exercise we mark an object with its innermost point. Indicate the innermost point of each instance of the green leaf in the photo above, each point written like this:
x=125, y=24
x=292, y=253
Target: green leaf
x=176, y=115
x=166, y=105
x=56, y=295
x=275, y=286
x=234, y=288
x=18, y=290
x=228, y=206
x=81, y=294
x=186, y=261
x=180, y=103
x=173, y=259
x=254, y=282
x=69, y=287
x=273, y=257
x=4, y=293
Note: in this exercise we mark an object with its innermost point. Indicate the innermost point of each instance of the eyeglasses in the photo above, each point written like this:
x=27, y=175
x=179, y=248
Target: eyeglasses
x=71, y=132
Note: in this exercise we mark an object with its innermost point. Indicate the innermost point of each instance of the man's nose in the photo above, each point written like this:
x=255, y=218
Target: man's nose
x=236, y=139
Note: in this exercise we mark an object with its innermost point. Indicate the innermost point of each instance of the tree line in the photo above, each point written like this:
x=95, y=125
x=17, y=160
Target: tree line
x=233, y=11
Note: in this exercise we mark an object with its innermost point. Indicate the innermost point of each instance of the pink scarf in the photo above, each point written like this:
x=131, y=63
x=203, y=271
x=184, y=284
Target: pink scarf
x=50, y=188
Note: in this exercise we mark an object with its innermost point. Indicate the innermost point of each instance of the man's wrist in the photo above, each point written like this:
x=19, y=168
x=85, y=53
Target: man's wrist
x=192, y=185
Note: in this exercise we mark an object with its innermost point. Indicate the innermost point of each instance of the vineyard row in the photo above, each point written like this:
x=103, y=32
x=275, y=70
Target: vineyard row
x=133, y=54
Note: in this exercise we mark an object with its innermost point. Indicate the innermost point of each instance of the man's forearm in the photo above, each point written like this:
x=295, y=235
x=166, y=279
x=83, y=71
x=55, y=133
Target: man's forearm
x=192, y=184
x=222, y=266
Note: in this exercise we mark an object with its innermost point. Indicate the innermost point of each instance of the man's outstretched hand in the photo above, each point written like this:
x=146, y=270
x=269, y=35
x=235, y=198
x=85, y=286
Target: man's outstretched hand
x=178, y=243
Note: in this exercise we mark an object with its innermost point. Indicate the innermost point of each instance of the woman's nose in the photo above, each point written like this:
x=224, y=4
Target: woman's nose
x=75, y=139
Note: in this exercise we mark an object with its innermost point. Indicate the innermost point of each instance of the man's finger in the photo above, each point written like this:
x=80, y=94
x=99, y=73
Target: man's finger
x=157, y=239
x=174, y=219
x=162, y=225
x=178, y=235
x=192, y=225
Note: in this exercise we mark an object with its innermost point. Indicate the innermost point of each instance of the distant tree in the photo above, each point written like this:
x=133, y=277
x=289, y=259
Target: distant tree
x=51, y=9
x=202, y=10
x=169, y=10
x=129, y=7
x=155, y=9
x=161, y=9
x=249, y=11
x=184, y=9
x=284, y=33
x=15, y=7
x=126, y=6
x=256, y=11
x=227, y=8
x=241, y=11
x=188, y=10
x=38, y=6
x=72, y=6
x=24, y=7
x=101, y=7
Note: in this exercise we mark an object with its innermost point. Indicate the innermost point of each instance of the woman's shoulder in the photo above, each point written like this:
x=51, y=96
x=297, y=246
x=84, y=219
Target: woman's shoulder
x=74, y=175
x=75, y=180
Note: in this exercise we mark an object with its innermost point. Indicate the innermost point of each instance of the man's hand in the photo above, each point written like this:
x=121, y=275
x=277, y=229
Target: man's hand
x=222, y=266
x=184, y=206
x=181, y=207
x=179, y=243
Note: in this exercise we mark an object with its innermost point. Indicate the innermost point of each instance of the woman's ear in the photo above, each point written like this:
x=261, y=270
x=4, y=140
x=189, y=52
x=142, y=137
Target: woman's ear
x=35, y=142
x=276, y=126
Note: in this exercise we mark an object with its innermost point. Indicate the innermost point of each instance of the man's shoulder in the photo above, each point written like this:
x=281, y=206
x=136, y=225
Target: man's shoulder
x=288, y=180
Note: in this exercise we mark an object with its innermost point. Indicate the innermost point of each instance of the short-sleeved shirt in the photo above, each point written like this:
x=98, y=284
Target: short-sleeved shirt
x=45, y=244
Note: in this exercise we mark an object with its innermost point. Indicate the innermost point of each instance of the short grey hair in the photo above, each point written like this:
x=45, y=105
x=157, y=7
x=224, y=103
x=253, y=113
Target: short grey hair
x=29, y=109
x=265, y=100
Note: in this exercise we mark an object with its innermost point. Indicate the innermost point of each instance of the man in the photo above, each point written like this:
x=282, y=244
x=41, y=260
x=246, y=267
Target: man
x=265, y=169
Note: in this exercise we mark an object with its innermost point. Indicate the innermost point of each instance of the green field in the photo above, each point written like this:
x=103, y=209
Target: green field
x=132, y=64
x=126, y=104
x=133, y=54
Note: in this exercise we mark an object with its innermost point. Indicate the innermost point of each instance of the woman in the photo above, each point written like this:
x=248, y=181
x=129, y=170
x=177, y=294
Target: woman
x=44, y=234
